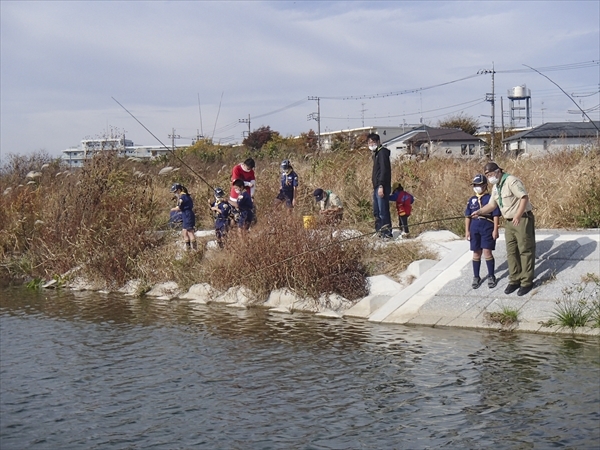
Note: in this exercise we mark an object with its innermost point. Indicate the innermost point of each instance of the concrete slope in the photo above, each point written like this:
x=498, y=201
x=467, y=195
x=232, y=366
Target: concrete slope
x=443, y=296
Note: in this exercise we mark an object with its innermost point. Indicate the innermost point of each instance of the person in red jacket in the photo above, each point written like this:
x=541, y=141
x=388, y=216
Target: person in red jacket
x=404, y=201
x=245, y=172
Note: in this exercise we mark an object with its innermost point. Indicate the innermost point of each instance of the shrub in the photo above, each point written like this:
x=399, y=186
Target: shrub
x=580, y=305
x=281, y=253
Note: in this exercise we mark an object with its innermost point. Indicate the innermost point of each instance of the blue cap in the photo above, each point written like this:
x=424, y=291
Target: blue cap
x=479, y=179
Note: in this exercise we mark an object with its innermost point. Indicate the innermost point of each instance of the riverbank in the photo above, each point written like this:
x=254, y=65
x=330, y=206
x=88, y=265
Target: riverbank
x=438, y=293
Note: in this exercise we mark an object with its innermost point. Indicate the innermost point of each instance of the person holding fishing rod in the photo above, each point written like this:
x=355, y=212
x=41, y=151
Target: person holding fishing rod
x=482, y=231
x=510, y=195
x=185, y=204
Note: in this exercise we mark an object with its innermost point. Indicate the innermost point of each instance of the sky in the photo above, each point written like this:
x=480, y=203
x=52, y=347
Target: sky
x=208, y=68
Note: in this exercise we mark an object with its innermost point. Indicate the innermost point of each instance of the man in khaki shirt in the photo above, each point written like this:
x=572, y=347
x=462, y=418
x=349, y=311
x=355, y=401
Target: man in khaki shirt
x=510, y=195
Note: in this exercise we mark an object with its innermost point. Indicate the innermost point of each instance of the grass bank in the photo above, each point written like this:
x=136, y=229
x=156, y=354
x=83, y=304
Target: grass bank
x=105, y=218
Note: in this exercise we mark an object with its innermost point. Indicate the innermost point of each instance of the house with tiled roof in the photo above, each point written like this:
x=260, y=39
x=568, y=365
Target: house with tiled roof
x=427, y=141
x=553, y=137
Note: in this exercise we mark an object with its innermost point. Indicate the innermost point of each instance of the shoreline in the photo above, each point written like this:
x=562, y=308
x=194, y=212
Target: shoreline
x=432, y=293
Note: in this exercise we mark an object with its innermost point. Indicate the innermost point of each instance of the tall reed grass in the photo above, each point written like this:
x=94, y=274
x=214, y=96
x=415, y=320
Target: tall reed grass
x=108, y=218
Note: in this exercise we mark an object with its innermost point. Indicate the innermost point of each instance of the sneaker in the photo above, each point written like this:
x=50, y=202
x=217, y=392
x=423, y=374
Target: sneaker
x=492, y=281
x=476, y=282
x=404, y=235
x=524, y=290
x=510, y=288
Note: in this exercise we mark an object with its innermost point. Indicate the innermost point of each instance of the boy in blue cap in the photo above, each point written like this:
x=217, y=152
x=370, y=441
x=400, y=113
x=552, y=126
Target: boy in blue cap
x=222, y=211
x=289, y=186
x=481, y=231
x=244, y=205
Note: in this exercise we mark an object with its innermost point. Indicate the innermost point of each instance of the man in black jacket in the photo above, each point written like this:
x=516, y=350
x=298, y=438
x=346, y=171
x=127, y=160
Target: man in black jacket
x=382, y=181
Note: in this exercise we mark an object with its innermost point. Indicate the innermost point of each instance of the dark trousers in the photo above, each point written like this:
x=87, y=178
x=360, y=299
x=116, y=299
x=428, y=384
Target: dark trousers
x=403, y=223
x=381, y=212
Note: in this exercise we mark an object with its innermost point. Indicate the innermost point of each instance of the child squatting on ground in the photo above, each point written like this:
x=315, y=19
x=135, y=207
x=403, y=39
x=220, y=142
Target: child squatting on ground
x=244, y=206
x=481, y=231
x=185, y=204
x=404, y=201
x=222, y=211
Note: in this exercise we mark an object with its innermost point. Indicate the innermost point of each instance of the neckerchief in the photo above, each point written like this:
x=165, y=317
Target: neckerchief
x=499, y=187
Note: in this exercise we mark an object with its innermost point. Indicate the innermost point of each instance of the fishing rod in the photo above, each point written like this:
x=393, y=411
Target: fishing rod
x=563, y=91
x=161, y=142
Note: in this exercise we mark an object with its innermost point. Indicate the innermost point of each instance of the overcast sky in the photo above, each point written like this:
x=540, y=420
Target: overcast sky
x=199, y=67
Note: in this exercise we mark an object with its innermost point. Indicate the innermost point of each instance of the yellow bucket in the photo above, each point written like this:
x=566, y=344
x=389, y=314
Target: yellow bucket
x=309, y=222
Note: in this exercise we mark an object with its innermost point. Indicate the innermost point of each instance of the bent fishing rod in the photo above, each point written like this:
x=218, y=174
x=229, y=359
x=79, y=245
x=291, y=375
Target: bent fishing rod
x=161, y=143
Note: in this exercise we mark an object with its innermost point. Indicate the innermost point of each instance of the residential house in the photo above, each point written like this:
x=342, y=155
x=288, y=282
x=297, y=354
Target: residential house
x=426, y=141
x=553, y=137
x=352, y=134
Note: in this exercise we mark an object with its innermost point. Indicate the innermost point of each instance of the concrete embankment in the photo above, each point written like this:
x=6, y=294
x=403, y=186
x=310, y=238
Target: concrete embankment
x=442, y=295
x=439, y=293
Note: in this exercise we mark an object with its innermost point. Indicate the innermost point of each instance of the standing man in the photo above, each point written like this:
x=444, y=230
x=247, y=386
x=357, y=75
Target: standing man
x=510, y=195
x=382, y=181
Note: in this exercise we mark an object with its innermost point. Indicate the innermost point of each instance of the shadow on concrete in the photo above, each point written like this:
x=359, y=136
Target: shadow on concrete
x=551, y=259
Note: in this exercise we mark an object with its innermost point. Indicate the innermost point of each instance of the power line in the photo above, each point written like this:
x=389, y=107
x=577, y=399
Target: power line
x=473, y=102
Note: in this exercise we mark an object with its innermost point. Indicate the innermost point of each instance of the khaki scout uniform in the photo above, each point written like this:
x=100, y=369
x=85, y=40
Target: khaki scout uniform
x=520, y=240
x=332, y=201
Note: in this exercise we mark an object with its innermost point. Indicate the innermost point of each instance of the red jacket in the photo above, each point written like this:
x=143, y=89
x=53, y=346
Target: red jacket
x=404, y=202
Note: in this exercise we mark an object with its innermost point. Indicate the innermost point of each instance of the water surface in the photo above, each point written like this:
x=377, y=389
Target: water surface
x=94, y=371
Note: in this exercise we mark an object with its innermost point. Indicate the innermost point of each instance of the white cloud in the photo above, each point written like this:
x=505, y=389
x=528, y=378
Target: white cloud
x=63, y=61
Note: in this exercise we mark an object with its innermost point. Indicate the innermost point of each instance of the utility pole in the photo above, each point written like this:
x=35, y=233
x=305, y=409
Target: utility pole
x=363, y=114
x=502, y=116
x=317, y=116
x=491, y=98
x=246, y=121
x=173, y=136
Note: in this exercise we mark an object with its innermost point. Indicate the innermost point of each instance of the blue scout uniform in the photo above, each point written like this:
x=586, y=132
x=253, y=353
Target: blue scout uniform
x=222, y=217
x=186, y=205
x=481, y=228
x=245, y=207
x=288, y=183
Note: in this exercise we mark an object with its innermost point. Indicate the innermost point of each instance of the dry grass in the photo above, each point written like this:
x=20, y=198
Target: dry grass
x=104, y=217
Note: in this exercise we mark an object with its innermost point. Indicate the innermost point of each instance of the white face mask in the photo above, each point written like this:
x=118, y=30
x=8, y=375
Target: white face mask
x=372, y=147
x=493, y=180
x=478, y=189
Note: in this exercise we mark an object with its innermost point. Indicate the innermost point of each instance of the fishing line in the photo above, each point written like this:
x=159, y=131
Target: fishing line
x=346, y=240
x=161, y=142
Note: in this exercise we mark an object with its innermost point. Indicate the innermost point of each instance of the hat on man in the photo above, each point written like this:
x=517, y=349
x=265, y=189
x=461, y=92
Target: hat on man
x=490, y=167
x=479, y=179
x=319, y=194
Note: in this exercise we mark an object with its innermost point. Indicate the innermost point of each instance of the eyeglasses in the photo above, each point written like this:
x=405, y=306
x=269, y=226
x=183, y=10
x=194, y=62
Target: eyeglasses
x=491, y=171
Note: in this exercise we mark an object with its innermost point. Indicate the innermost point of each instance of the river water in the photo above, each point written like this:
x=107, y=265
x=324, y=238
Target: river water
x=85, y=370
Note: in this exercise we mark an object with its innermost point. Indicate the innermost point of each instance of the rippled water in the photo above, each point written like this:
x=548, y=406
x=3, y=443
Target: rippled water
x=90, y=371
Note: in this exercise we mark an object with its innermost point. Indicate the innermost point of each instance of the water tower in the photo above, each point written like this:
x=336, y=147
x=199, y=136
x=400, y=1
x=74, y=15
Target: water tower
x=520, y=102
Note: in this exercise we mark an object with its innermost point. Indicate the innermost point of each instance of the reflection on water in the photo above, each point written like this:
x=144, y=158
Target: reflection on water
x=88, y=370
